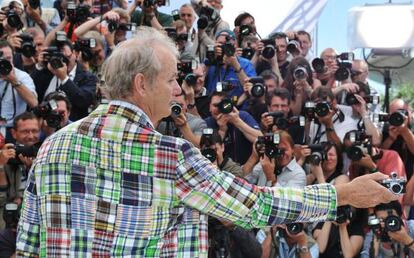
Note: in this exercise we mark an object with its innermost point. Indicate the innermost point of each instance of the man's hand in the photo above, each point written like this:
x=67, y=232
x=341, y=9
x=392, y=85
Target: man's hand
x=61, y=73
x=247, y=86
x=180, y=120
x=222, y=121
x=350, y=87
x=234, y=116
x=27, y=161
x=401, y=236
x=361, y=106
x=268, y=166
x=14, y=40
x=364, y=191
x=111, y=16
x=11, y=77
x=327, y=120
x=267, y=121
x=6, y=153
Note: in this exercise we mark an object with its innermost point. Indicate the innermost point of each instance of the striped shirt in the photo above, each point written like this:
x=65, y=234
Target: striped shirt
x=110, y=185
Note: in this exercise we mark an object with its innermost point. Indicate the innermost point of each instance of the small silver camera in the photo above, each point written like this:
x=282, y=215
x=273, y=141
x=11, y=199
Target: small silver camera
x=394, y=184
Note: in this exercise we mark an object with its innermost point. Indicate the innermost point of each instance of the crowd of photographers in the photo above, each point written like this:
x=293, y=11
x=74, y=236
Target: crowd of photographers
x=266, y=109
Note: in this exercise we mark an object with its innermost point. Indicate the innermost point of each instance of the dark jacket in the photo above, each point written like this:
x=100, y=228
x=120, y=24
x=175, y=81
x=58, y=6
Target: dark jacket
x=80, y=91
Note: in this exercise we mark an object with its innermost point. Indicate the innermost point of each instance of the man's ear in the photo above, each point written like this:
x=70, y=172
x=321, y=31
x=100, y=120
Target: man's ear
x=139, y=84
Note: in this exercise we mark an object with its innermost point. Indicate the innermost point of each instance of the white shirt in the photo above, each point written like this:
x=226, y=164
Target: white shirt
x=57, y=82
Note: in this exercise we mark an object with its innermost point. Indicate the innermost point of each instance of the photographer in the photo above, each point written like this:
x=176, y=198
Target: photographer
x=389, y=236
x=299, y=82
x=280, y=170
x=267, y=54
x=11, y=17
x=113, y=25
x=149, y=15
x=188, y=16
x=305, y=43
x=17, y=91
x=238, y=128
x=181, y=123
x=65, y=75
x=327, y=76
x=18, y=158
x=228, y=65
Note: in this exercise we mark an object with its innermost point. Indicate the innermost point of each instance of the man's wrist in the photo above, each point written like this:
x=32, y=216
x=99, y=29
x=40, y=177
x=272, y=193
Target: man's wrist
x=341, y=194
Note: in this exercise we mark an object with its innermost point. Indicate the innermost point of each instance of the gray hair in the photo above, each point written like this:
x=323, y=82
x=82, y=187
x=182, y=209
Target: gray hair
x=133, y=56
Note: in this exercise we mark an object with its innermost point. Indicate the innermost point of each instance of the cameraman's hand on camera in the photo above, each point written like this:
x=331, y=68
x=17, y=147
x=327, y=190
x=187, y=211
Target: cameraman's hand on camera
x=27, y=161
x=188, y=92
x=6, y=153
x=247, y=86
x=14, y=40
x=327, y=120
x=34, y=14
x=234, y=116
x=300, y=87
x=180, y=120
x=318, y=173
x=217, y=50
x=111, y=16
x=268, y=166
x=266, y=121
x=361, y=106
x=401, y=236
x=61, y=73
x=350, y=87
x=301, y=153
x=222, y=122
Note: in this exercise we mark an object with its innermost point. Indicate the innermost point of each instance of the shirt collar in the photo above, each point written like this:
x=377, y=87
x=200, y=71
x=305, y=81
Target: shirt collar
x=72, y=73
x=291, y=166
x=127, y=110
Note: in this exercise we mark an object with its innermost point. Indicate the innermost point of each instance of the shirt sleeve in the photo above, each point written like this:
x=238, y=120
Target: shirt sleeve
x=27, y=81
x=222, y=195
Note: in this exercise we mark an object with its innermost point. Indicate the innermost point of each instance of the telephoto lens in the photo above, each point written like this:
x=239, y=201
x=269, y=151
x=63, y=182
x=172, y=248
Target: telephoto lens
x=300, y=73
x=176, y=109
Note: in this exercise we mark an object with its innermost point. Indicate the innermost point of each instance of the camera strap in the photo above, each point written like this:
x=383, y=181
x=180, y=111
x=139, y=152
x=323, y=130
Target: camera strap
x=339, y=115
x=14, y=99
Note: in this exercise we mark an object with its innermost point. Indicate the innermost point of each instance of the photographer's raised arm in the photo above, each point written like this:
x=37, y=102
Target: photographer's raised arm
x=91, y=24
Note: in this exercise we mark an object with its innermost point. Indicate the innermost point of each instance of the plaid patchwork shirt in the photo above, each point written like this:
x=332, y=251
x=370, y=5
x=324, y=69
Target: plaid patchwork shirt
x=110, y=185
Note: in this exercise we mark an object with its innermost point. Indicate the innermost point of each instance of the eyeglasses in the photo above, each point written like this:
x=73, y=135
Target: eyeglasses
x=186, y=14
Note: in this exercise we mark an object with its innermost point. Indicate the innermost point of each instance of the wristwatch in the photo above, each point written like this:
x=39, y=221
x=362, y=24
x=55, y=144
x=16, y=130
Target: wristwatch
x=17, y=84
x=303, y=249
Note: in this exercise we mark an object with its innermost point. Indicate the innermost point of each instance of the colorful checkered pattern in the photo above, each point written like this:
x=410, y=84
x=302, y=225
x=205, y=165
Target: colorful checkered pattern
x=111, y=186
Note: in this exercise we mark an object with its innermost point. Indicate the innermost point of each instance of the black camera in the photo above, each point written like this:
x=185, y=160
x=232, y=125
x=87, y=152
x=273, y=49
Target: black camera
x=77, y=13
x=374, y=223
x=226, y=105
x=11, y=215
x=283, y=123
x=269, y=144
x=60, y=38
x=28, y=48
x=228, y=48
x=210, y=55
x=26, y=151
x=293, y=47
x=300, y=73
x=13, y=20
x=396, y=119
x=113, y=26
x=294, y=228
x=322, y=108
x=343, y=213
x=269, y=49
x=150, y=3
x=258, y=89
x=344, y=66
x=208, y=15
x=318, y=154
x=175, y=14
x=350, y=99
x=47, y=111
x=85, y=47
x=245, y=30
x=34, y=4
x=361, y=145
x=171, y=33
x=392, y=223
x=226, y=85
x=176, y=109
x=394, y=184
x=182, y=37
x=185, y=72
x=206, y=150
x=318, y=65
x=248, y=52
x=55, y=57
x=5, y=66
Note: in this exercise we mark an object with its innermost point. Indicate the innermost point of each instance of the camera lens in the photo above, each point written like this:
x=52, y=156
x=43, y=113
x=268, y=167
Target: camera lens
x=56, y=63
x=14, y=20
x=258, y=90
x=341, y=74
x=268, y=51
x=248, y=53
x=209, y=153
x=175, y=109
x=392, y=223
x=318, y=65
x=5, y=67
x=315, y=158
x=396, y=119
x=350, y=99
x=322, y=109
x=202, y=22
x=226, y=106
x=300, y=73
x=191, y=79
x=282, y=123
x=396, y=188
x=294, y=228
x=112, y=26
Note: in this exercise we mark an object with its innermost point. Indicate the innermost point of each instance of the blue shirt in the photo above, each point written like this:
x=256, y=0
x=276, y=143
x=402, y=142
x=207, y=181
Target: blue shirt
x=237, y=146
x=12, y=104
x=214, y=76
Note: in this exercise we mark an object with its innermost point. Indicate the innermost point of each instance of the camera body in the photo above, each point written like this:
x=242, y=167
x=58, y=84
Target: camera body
x=226, y=105
x=55, y=57
x=283, y=123
x=34, y=4
x=5, y=66
x=28, y=48
x=207, y=151
x=228, y=48
x=268, y=145
x=294, y=228
x=318, y=154
x=11, y=215
x=361, y=145
x=350, y=99
x=26, y=151
x=344, y=61
x=185, y=72
x=343, y=213
x=13, y=19
x=150, y=3
x=85, y=47
x=176, y=109
x=113, y=26
x=395, y=119
x=318, y=65
x=208, y=16
x=394, y=184
x=321, y=109
x=47, y=111
x=77, y=14
x=258, y=89
x=269, y=49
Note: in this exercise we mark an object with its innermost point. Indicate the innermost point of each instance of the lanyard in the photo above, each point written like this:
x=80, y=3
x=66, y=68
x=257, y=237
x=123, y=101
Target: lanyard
x=14, y=100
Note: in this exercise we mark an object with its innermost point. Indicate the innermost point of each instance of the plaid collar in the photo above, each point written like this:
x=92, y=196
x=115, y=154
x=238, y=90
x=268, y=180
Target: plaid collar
x=125, y=109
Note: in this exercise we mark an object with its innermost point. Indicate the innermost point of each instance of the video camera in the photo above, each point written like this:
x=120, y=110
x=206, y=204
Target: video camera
x=5, y=66
x=11, y=215
x=350, y=99
x=361, y=145
x=85, y=47
x=47, y=111
x=318, y=154
x=269, y=144
x=395, y=119
x=283, y=123
x=344, y=62
x=207, y=141
x=321, y=109
x=27, y=48
x=258, y=89
x=55, y=57
x=208, y=16
x=269, y=49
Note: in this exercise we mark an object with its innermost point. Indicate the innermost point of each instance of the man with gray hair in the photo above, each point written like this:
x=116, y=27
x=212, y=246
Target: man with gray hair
x=110, y=185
